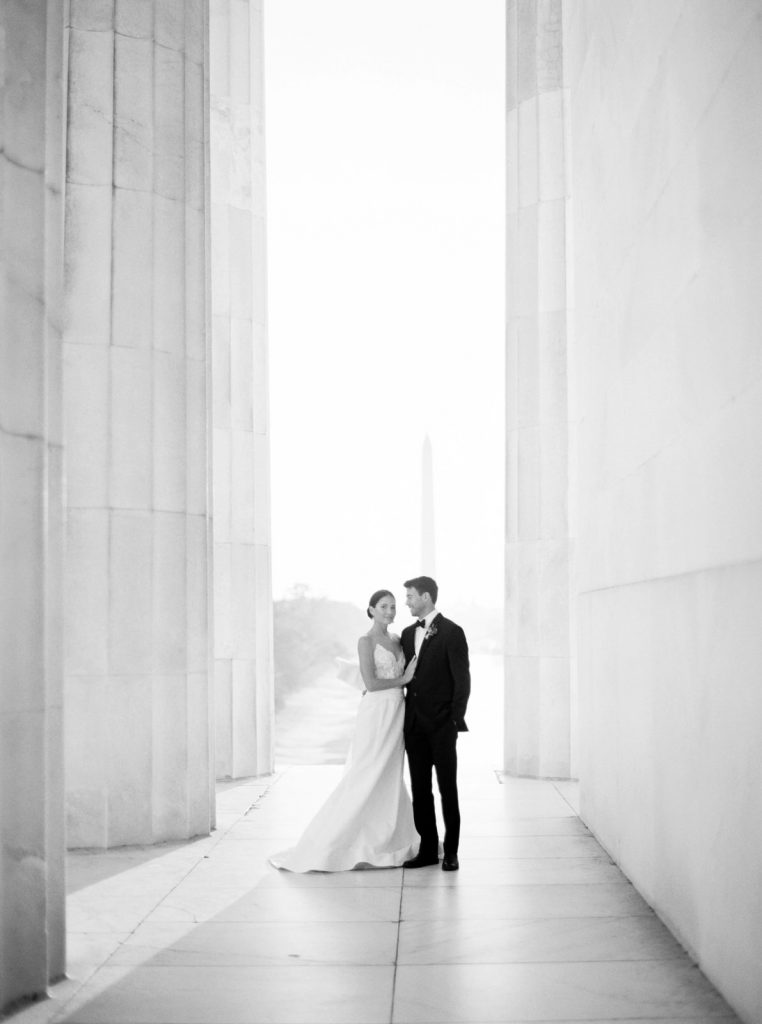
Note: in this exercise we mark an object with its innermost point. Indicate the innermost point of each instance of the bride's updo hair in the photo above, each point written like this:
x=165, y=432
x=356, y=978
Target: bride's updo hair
x=375, y=598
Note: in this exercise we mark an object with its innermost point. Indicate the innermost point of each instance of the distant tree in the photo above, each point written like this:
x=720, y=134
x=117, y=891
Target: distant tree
x=310, y=633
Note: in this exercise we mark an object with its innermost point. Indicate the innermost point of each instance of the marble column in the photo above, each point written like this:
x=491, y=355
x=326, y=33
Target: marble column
x=32, y=931
x=537, y=694
x=242, y=578
x=137, y=573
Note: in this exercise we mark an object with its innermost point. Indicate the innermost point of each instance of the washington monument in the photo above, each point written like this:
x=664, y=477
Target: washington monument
x=428, y=542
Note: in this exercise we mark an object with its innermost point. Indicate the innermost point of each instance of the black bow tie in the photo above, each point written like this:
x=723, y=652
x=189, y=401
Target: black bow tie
x=421, y=624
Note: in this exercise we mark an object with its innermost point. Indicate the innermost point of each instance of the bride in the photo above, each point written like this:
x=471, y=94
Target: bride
x=368, y=819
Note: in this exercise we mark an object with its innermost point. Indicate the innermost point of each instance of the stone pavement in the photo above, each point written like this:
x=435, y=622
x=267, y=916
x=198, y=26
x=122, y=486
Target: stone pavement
x=538, y=925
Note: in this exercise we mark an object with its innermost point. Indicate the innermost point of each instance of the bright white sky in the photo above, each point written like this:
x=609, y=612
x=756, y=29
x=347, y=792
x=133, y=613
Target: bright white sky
x=386, y=239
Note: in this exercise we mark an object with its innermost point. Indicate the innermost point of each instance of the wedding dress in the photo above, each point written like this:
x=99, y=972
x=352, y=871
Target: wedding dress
x=368, y=819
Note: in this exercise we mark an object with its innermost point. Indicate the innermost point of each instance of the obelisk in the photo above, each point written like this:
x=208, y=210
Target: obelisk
x=428, y=543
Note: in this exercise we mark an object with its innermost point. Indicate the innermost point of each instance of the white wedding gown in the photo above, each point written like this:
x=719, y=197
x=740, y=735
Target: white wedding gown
x=368, y=819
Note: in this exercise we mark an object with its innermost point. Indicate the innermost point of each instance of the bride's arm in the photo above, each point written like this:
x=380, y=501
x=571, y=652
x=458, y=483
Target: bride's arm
x=365, y=647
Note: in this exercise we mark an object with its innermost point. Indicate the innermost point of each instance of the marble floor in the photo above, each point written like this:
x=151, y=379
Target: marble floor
x=538, y=925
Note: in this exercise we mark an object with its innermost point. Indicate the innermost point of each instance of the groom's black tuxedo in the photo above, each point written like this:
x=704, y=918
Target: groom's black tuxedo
x=435, y=708
x=440, y=687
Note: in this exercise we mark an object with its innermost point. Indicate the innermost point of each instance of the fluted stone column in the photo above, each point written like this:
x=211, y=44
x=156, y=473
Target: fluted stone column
x=242, y=589
x=537, y=697
x=138, y=702
x=31, y=759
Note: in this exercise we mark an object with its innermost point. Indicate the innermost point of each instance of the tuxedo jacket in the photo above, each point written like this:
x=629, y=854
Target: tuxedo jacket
x=439, y=690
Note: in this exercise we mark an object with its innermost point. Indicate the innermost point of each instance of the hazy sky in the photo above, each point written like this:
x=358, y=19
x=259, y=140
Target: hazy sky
x=385, y=236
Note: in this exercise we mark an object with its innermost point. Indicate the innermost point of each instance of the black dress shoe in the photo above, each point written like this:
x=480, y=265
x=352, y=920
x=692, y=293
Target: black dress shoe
x=420, y=862
x=450, y=862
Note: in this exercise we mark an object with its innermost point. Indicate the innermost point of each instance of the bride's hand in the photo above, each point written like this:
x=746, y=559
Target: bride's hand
x=409, y=671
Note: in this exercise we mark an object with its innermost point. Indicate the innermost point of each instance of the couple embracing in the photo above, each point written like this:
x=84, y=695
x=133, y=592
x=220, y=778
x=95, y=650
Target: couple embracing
x=368, y=820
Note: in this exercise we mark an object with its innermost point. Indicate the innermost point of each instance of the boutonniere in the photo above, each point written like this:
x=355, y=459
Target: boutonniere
x=431, y=631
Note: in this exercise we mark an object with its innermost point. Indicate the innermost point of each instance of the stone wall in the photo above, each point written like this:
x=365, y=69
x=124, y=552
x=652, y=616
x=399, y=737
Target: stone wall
x=31, y=758
x=666, y=120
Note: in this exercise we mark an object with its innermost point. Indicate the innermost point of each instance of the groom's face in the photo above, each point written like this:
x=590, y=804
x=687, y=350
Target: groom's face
x=417, y=604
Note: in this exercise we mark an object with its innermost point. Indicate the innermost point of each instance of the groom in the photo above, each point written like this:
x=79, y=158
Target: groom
x=435, y=706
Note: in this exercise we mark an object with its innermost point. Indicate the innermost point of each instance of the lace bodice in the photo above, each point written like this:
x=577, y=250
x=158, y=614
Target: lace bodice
x=388, y=666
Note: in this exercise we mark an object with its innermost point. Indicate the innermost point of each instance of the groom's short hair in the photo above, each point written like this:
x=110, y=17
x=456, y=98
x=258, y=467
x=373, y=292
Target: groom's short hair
x=424, y=585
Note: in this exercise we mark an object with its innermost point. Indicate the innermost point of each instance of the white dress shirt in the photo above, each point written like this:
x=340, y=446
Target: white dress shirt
x=421, y=633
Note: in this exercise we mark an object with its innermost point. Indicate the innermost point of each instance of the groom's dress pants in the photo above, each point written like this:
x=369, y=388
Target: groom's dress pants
x=437, y=750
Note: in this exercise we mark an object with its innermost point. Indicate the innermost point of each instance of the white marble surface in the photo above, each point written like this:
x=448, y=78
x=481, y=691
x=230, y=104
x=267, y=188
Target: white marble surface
x=665, y=102
x=209, y=931
x=138, y=557
x=540, y=992
x=538, y=717
x=242, y=585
